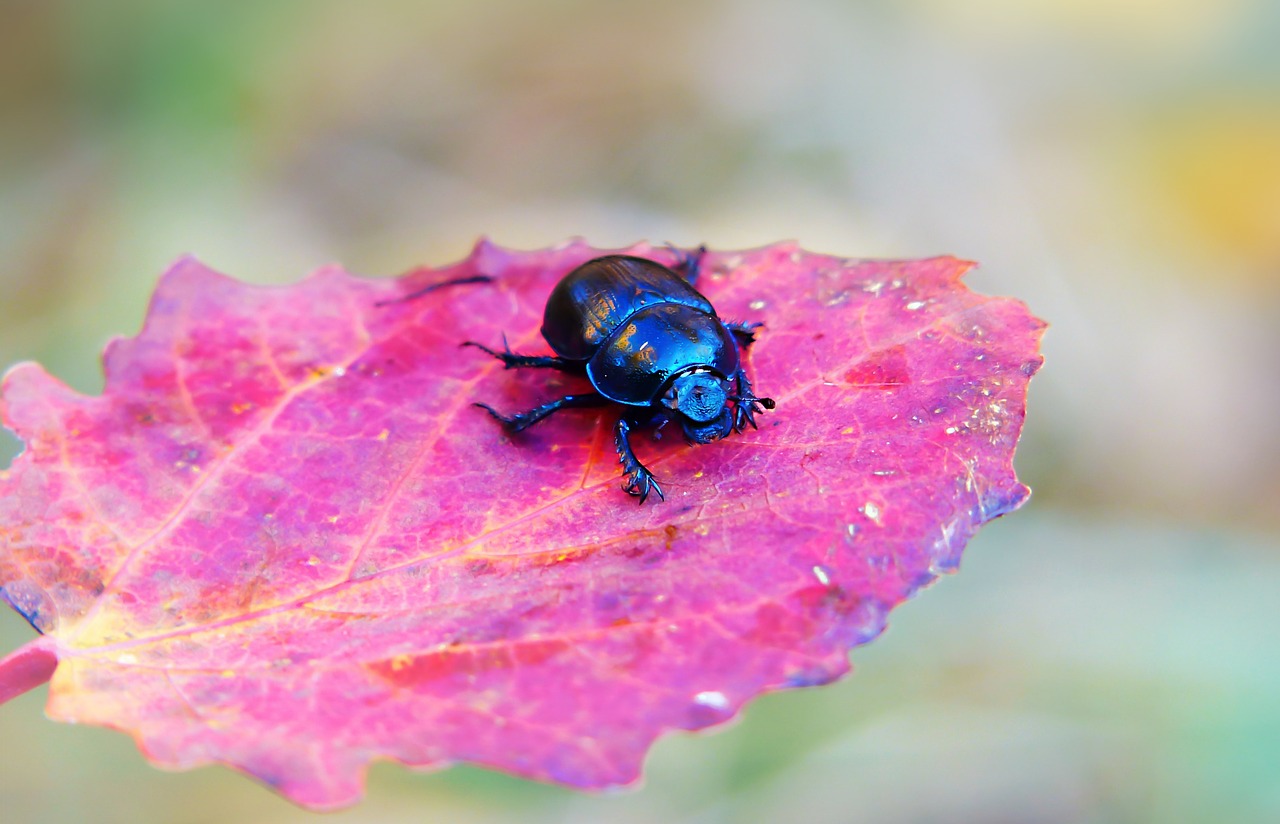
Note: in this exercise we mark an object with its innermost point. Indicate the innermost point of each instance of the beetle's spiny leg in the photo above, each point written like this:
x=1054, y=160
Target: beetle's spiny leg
x=417, y=293
x=746, y=404
x=744, y=333
x=510, y=360
x=688, y=265
x=523, y=420
x=638, y=480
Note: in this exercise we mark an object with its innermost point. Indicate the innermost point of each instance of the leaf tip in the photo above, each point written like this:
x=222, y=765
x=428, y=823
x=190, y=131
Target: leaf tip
x=483, y=245
x=188, y=266
x=954, y=268
x=24, y=391
x=996, y=505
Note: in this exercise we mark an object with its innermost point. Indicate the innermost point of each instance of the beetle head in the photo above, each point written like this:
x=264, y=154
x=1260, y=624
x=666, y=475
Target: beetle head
x=702, y=399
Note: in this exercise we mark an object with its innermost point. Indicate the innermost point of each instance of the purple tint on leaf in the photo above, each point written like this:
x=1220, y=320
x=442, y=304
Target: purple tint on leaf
x=284, y=540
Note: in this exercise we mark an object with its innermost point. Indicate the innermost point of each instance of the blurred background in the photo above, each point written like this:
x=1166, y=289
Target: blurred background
x=1108, y=653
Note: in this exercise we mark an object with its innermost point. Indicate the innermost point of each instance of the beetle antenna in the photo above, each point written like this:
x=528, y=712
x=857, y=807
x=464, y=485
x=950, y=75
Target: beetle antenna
x=431, y=287
x=767, y=403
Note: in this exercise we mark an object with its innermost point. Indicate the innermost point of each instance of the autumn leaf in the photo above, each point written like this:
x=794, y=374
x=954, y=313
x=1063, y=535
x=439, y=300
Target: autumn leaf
x=283, y=538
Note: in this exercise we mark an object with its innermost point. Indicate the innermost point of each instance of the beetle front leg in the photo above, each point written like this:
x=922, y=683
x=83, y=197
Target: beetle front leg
x=510, y=360
x=746, y=405
x=688, y=265
x=743, y=333
x=639, y=481
x=524, y=420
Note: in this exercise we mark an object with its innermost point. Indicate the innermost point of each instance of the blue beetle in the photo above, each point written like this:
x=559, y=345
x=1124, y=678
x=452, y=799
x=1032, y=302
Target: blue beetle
x=647, y=340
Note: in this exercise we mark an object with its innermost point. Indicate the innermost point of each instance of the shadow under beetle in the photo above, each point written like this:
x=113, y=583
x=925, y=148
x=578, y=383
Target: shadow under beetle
x=650, y=342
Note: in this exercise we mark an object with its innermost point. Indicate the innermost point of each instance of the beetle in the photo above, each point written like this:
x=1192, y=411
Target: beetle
x=648, y=341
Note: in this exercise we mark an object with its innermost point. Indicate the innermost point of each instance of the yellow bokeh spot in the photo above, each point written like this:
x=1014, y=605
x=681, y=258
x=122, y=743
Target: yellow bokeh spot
x=1220, y=167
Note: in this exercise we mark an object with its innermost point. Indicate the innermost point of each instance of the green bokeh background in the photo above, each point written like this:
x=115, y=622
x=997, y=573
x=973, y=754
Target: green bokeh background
x=1108, y=653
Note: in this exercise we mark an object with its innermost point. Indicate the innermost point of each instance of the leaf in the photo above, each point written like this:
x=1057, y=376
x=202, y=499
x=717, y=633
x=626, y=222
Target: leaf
x=283, y=539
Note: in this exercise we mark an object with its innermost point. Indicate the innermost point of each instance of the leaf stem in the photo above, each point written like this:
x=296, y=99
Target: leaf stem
x=27, y=667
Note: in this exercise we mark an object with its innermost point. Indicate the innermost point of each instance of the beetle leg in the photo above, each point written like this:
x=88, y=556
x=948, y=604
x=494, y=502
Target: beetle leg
x=417, y=293
x=744, y=333
x=638, y=480
x=688, y=265
x=524, y=420
x=511, y=360
x=746, y=405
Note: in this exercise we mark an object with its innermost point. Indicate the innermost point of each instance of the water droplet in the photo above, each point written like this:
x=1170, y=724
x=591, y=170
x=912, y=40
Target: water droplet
x=715, y=700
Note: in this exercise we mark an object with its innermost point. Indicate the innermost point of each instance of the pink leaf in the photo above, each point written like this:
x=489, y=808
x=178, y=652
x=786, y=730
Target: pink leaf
x=283, y=538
